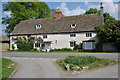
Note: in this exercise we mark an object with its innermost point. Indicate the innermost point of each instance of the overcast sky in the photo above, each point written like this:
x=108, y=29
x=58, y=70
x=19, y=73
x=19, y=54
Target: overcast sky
x=77, y=8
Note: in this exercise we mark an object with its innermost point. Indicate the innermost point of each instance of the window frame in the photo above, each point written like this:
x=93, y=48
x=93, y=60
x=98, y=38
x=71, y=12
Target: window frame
x=45, y=36
x=88, y=34
x=73, y=25
x=38, y=26
x=37, y=45
x=72, y=34
x=72, y=43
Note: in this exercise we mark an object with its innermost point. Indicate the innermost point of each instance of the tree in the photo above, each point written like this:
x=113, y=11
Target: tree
x=107, y=16
x=92, y=11
x=24, y=11
x=109, y=32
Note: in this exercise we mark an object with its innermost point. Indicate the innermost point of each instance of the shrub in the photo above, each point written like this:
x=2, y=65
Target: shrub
x=35, y=49
x=80, y=60
x=25, y=46
x=63, y=49
x=77, y=46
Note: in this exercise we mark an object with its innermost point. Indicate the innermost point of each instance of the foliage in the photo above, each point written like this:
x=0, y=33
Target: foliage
x=107, y=16
x=5, y=70
x=63, y=49
x=77, y=46
x=109, y=32
x=25, y=44
x=13, y=47
x=24, y=11
x=82, y=61
x=92, y=11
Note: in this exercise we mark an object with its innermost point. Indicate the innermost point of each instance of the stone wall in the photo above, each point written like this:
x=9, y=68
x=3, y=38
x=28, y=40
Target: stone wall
x=4, y=46
x=108, y=47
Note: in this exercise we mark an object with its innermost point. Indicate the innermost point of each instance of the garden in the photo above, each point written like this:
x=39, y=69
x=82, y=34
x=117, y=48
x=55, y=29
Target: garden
x=83, y=63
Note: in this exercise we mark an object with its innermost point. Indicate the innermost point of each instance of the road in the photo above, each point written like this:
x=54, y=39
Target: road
x=60, y=55
x=41, y=65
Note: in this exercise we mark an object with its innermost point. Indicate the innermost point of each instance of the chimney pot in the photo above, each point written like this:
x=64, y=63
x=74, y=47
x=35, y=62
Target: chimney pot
x=58, y=13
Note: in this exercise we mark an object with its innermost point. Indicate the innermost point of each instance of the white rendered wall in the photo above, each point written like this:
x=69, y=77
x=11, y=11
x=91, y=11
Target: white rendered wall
x=63, y=40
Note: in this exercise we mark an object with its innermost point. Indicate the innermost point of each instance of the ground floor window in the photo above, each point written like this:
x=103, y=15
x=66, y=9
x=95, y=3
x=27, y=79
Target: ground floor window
x=72, y=44
x=37, y=44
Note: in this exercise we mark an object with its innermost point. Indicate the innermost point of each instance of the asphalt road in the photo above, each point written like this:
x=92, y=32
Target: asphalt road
x=41, y=65
x=60, y=55
x=46, y=68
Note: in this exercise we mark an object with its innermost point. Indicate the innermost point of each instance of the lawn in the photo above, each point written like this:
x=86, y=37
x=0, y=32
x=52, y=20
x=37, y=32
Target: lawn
x=8, y=66
x=84, y=63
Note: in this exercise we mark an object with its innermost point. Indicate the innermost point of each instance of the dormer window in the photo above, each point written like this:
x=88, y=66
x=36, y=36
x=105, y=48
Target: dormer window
x=38, y=26
x=73, y=25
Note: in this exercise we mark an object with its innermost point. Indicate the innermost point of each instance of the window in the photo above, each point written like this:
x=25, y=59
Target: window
x=28, y=36
x=73, y=25
x=37, y=45
x=44, y=36
x=88, y=34
x=38, y=26
x=72, y=35
x=72, y=44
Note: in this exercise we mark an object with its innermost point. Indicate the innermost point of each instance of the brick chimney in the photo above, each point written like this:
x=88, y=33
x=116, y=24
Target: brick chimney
x=58, y=13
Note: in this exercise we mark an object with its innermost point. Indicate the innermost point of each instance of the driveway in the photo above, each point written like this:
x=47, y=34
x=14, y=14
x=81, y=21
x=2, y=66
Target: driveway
x=46, y=68
x=41, y=65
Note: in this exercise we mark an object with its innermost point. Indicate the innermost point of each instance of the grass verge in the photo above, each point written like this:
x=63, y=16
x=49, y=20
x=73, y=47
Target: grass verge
x=84, y=62
x=8, y=66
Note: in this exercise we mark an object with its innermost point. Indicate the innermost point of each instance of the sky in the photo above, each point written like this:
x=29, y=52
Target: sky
x=75, y=7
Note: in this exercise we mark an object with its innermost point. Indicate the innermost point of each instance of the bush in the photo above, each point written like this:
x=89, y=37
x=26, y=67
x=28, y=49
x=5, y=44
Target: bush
x=80, y=60
x=35, y=49
x=25, y=46
x=84, y=61
x=63, y=49
x=77, y=46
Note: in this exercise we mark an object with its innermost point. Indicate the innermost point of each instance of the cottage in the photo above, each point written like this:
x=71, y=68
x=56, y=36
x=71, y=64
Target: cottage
x=60, y=31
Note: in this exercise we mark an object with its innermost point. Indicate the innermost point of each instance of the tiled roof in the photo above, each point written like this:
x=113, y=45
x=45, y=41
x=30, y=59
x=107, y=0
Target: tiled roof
x=62, y=25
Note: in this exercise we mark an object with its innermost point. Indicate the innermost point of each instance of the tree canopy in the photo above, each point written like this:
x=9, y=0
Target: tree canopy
x=109, y=32
x=24, y=11
x=107, y=16
x=92, y=11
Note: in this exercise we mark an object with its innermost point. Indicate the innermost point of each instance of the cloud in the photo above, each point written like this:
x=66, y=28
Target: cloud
x=108, y=5
x=7, y=13
x=67, y=12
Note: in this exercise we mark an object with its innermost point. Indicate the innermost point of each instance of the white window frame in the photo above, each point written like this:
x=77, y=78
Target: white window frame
x=88, y=34
x=73, y=43
x=38, y=26
x=72, y=35
x=73, y=26
x=45, y=36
